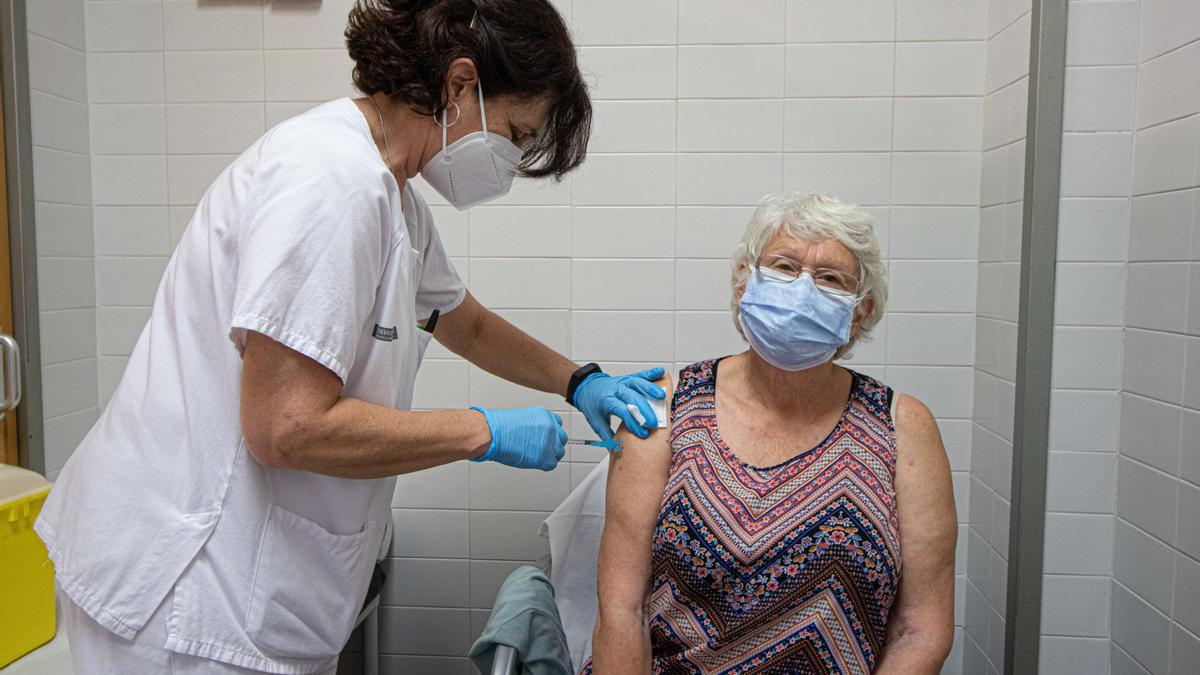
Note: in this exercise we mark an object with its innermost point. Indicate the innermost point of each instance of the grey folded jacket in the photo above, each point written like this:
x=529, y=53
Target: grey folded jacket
x=525, y=618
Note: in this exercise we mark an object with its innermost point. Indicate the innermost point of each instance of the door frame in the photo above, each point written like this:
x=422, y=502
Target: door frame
x=18, y=144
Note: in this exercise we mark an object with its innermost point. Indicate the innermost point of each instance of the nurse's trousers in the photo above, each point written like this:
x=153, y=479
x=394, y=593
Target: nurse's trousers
x=97, y=651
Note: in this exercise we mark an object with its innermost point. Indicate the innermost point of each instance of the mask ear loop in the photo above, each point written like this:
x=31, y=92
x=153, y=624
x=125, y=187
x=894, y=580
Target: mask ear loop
x=482, y=112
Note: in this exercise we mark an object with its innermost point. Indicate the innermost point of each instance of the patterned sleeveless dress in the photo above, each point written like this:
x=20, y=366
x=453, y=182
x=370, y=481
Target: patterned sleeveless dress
x=785, y=569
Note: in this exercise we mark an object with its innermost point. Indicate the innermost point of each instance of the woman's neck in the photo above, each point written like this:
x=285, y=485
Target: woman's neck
x=403, y=138
x=802, y=393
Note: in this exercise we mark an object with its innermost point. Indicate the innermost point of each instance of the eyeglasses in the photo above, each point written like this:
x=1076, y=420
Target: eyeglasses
x=783, y=268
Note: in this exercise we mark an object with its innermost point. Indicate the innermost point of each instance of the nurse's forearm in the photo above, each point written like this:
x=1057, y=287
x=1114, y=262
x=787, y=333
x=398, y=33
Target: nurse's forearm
x=294, y=416
x=356, y=439
x=495, y=345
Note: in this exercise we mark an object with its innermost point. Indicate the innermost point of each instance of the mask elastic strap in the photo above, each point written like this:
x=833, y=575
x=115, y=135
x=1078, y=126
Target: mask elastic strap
x=444, y=127
x=482, y=112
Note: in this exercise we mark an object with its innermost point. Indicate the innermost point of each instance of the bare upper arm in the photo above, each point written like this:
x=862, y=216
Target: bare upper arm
x=636, y=478
x=282, y=390
x=928, y=522
x=456, y=329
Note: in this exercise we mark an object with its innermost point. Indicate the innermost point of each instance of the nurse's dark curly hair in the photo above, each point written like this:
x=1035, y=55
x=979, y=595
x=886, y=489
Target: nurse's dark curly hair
x=521, y=48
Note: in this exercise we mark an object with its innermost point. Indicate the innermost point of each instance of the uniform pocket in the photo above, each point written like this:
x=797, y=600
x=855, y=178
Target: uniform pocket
x=308, y=587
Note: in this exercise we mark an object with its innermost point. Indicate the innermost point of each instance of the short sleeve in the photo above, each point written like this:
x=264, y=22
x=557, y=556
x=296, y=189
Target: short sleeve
x=440, y=287
x=312, y=244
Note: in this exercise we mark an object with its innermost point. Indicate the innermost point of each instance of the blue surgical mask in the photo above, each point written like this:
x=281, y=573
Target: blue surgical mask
x=793, y=324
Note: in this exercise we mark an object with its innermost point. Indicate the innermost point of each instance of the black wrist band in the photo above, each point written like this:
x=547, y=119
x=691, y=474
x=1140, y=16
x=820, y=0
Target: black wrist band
x=577, y=378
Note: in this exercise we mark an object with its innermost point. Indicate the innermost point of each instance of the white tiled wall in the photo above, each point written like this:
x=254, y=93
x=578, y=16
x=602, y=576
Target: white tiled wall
x=1121, y=498
x=702, y=107
x=1157, y=539
x=58, y=100
x=1006, y=84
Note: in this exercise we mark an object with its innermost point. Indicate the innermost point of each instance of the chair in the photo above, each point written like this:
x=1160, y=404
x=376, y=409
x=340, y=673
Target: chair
x=368, y=617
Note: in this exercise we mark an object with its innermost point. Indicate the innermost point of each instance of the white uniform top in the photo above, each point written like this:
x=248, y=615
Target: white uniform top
x=305, y=238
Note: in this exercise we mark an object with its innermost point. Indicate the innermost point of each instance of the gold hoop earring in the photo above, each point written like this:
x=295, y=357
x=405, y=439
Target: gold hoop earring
x=446, y=125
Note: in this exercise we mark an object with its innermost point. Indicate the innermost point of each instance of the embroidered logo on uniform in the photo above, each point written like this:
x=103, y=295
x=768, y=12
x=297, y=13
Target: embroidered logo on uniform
x=385, y=334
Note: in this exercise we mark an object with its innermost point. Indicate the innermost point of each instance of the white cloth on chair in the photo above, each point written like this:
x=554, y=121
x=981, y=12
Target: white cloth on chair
x=574, y=533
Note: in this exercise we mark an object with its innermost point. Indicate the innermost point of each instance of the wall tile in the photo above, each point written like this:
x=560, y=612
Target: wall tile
x=1099, y=99
x=123, y=26
x=828, y=70
x=129, y=180
x=200, y=77
x=1147, y=498
x=1140, y=630
x=1096, y=165
x=1166, y=24
x=308, y=75
x=1102, y=34
x=1161, y=226
x=622, y=284
x=418, y=630
x=506, y=231
x=716, y=21
x=486, y=578
x=128, y=129
x=298, y=26
x=1185, y=651
x=67, y=335
x=1073, y=605
x=427, y=583
x=125, y=77
x=57, y=69
x=1078, y=544
x=625, y=180
x=1166, y=156
x=63, y=230
x=213, y=127
x=931, y=339
x=933, y=20
x=1093, y=229
x=1077, y=350
x=429, y=533
x=442, y=487
x=64, y=378
x=705, y=335
x=932, y=286
x=938, y=124
x=629, y=72
x=128, y=281
x=189, y=176
x=59, y=20
x=633, y=126
x=1159, y=94
x=626, y=336
x=58, y=123
x=733, y=71
x=1082, y=482
x=66, y=283
x=702, y=284
x=1143, y=564
x=1072, y=655
x=507, y=535
x=1152, y=362
x=1123, y=663
x=188, y=25
x=713, y=232
x=710, y=125
x=624, y=22
x=1187, y=526
x=623, y=232
x=939, y=68
x=118, y=328
x=823, y=21
x=935, y=178
x=727, y=179
x=63, y=434
x=1150, y=432
x=520, y=283
x=1089, y=294
x=861, y=178
x=838, y=124
x=495, y=486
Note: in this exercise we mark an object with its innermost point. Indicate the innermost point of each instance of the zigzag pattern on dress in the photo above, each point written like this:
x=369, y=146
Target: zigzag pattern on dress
x=784, y=569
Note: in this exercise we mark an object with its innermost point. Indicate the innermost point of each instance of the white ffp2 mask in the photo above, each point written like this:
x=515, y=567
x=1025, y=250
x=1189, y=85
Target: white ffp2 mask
x=477, y=168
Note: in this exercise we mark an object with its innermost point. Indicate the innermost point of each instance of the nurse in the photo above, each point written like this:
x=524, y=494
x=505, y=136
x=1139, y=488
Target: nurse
x=225, y=511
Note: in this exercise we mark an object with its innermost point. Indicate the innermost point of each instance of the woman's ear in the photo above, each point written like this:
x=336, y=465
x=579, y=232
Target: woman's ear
x=461, y=78
x=864, y=309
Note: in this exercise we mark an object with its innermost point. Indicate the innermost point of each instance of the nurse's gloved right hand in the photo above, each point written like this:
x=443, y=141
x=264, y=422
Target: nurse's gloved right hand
x=527, y=438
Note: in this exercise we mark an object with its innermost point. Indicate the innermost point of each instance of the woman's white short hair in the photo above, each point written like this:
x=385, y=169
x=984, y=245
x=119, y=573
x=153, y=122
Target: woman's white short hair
x=816, y=216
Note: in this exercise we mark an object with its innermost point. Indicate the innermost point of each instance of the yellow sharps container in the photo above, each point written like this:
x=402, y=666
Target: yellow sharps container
x=26, y=574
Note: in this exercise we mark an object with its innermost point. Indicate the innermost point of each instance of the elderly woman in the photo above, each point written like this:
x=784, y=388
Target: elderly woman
x=764, y=530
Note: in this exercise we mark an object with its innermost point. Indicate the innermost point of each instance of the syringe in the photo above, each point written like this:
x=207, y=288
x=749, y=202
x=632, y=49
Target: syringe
x=614, y=444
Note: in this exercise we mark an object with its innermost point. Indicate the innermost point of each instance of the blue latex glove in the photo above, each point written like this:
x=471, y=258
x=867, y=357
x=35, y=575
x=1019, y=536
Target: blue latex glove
x=600, y=396
x=527, y=438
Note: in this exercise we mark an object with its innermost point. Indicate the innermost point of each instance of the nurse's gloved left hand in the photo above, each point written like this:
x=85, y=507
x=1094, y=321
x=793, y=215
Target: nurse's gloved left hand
x=527, y=438
x=600, y=396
